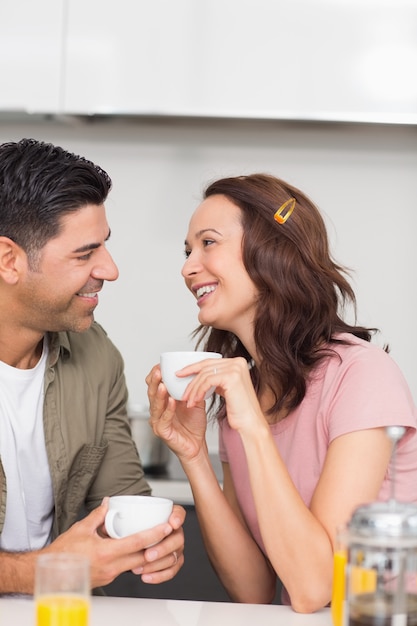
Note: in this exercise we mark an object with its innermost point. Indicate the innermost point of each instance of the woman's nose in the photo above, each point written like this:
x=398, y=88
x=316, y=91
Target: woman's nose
x=190, y=266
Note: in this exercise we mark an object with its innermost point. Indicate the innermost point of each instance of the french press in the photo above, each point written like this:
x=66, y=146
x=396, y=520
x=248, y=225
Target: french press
x=381, y=570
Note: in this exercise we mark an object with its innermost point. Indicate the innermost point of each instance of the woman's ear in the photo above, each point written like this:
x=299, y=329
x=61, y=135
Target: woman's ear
x=11, y=258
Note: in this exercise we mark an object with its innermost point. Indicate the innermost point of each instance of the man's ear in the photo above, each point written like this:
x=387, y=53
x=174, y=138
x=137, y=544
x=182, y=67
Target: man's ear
x=12, y=258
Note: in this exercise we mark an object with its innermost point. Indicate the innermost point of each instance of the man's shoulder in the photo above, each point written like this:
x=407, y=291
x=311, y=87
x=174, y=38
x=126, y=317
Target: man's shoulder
x=95, y=333
x=80, y=361
x=92, y=344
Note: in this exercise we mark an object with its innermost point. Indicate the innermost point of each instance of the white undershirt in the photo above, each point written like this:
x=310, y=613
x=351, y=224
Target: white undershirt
x=30, y=503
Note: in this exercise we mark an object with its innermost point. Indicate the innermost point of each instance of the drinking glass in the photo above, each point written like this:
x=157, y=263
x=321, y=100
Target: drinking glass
x=339, y=578
x=62, y=590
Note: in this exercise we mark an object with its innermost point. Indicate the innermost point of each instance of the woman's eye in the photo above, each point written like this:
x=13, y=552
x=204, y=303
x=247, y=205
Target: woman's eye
x=204, y=244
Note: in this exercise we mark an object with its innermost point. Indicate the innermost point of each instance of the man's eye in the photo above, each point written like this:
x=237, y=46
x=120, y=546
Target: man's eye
x=85, y=257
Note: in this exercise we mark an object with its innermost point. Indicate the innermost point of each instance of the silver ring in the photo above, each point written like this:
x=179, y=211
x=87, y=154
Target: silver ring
x=175, y=555
x=215, y=370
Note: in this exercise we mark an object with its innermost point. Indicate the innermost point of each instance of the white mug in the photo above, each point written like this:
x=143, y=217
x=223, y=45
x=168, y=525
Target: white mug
x=171, y=362
x=131, y=514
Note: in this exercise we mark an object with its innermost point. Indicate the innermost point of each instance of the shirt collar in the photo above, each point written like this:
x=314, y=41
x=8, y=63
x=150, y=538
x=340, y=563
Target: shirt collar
x=58, y=344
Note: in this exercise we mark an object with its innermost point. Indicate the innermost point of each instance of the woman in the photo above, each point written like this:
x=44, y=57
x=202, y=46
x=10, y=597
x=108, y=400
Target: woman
x=303, y=396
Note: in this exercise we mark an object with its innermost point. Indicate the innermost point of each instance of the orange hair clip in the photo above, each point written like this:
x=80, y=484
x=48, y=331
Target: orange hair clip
x=289, y=205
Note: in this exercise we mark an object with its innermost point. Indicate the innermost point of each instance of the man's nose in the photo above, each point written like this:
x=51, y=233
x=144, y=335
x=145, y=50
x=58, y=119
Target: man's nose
x=106, y=269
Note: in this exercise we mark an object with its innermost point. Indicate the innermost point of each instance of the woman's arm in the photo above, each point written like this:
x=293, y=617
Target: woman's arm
x=239, y=562
x=299, y=540
x=237, y=559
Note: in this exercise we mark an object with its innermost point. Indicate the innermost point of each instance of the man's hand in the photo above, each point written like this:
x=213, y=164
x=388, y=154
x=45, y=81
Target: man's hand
x=165, y=559
x=110, y=557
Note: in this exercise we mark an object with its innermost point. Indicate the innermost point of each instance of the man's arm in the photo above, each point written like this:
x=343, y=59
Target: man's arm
x=108, y=557
x=17, y=571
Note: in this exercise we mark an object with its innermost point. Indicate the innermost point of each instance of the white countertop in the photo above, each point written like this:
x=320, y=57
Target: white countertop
x=137, y=611
x=174, y=484
x=177, y=490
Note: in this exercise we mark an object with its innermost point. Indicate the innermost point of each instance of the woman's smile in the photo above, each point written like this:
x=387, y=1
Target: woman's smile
x=203, y=292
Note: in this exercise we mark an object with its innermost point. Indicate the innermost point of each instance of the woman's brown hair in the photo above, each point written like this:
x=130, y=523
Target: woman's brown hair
x=302, y=290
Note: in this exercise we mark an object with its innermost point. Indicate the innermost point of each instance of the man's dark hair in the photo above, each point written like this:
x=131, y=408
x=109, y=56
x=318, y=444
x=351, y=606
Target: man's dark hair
x=39, y=183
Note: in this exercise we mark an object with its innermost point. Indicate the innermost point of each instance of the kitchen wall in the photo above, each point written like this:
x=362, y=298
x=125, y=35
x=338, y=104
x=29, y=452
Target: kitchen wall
x=363, y=177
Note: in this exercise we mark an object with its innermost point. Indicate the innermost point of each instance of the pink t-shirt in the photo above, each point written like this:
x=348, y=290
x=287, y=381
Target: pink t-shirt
x=364, y=389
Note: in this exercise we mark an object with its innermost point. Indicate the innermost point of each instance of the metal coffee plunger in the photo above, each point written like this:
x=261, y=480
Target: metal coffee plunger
x=381, y=571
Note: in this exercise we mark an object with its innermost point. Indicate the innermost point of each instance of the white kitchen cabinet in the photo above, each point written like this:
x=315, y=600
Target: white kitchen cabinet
x=352, y=60
x=31, y=55
x=129, y=57
x=299, y=59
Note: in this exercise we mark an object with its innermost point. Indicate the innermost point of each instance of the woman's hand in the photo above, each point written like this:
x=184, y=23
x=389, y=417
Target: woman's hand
x=183, y=429
x=232, y=380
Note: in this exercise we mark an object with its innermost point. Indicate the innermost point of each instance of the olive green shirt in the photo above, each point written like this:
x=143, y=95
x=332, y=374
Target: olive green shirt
x=87, y=433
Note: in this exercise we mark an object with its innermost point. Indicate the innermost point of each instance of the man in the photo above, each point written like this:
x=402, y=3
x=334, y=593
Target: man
x=65, y=440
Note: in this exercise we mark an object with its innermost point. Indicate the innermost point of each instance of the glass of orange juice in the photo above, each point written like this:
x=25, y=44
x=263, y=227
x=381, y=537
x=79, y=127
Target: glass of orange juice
x=62, y=590
x=339, y=578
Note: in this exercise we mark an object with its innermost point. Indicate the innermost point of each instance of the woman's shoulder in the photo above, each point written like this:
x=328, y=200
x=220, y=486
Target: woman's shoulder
x=350, y=348
x=359, y=363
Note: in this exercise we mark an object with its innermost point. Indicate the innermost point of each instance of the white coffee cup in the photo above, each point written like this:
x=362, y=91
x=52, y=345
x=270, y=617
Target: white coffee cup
x=171, y=362
x=132, y=514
